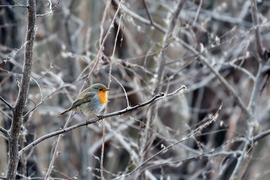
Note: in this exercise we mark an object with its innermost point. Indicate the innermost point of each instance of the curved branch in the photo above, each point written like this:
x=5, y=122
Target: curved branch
x=117, y=113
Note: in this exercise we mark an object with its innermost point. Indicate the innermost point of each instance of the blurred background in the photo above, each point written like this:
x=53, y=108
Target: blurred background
x=68, y=38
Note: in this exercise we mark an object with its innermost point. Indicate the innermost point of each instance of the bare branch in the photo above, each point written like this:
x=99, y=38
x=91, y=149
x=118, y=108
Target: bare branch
x=239, y=164
x=193, y=133
x=4, y=131
x=8, y=116
x=2, y=99
x=256, y=25
x=50, y=9
x=103, y=122
x=264, y=57
x=261, y=135
x=128, y=105
x=158, y=79
x=212, y=50
x=103, y=20
x=13, y=6
x=197, y=13
x=117, y=113
x=167, y=41
x=83, y=86
x=23, y=93
x=221, y=79
x=254, y=127
x=152, y=22
x=141, y=19
x=102, y=45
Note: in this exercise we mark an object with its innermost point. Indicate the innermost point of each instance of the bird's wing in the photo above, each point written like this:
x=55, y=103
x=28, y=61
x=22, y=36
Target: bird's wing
x=80, y=100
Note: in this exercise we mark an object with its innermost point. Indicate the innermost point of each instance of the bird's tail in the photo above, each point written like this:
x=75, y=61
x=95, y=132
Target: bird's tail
x=65, y=111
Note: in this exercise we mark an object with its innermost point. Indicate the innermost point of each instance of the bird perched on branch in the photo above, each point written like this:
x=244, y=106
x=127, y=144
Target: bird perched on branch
x=92, y=100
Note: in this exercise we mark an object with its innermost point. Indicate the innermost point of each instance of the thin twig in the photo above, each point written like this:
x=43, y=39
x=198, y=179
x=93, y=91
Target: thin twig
x=114, y=47
x=110, y=73
x=56, y=147
x=8, y=116
x=197, y=13
x=14, y=6
x=241, y=165
x=261, y=135
x=153, y=23
x=4, y=131
x=148, y=13
x=257, y=33
x=109, y=83
x=141, y=19
x=128, y=105
x=50, y=9
x=147, y=137
x=102, y=45
x=237, y=99
x=51, y=67
x=83, y=86
x=2, y=99
x=102, y=23
x=97, y=144
x=190, y=135
x=16, y=52
x=250, y=75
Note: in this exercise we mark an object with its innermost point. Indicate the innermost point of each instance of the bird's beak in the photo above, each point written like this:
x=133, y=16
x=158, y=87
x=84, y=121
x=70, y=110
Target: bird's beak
x=107, y=89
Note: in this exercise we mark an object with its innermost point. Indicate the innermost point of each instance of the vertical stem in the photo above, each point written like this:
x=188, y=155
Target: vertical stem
x=23, y=93
x=84, y=84
x=23, y=159
x=256, y=25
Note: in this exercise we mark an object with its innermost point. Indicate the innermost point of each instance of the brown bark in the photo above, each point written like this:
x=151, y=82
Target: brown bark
x=23, y=93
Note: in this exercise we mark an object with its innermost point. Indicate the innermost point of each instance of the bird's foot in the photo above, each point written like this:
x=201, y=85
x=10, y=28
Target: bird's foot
x=98, y=116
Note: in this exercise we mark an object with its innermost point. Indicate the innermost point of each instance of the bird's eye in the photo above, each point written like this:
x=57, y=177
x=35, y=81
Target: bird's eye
x=100, y=89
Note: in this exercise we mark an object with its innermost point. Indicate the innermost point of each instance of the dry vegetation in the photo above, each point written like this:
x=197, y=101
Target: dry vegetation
x=147, y=52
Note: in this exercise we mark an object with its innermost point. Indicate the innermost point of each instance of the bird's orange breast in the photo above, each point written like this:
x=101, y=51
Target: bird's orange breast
x=102, y=97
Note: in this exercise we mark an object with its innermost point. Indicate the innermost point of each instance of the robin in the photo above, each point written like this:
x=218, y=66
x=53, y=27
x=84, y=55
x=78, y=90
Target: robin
x=92, y=100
